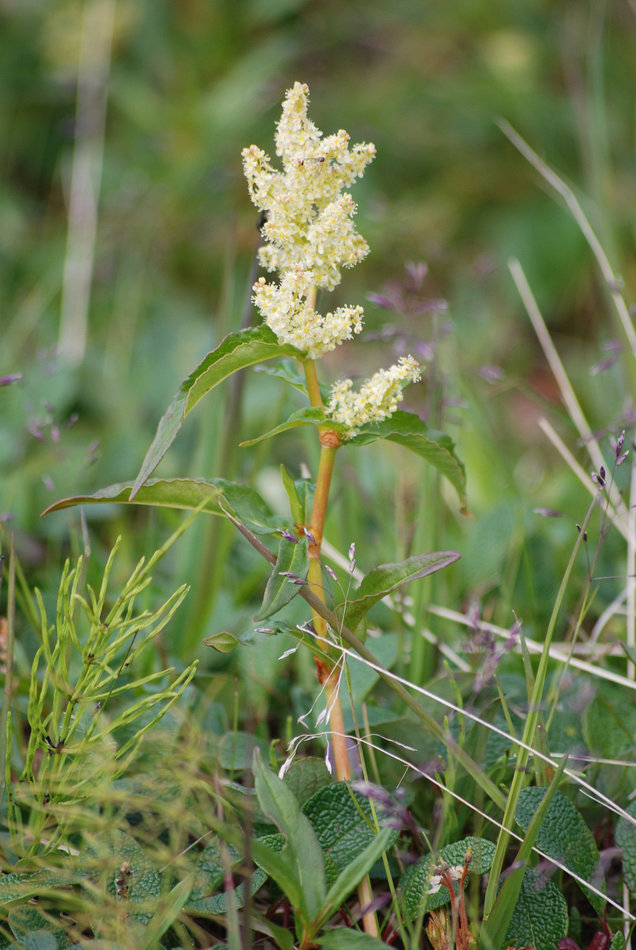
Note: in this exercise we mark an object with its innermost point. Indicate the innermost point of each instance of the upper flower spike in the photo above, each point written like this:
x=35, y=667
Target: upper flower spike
x=309, y=225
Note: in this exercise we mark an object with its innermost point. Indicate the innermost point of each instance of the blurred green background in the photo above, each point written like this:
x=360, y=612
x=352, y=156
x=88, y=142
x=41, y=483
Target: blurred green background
x=127, y=241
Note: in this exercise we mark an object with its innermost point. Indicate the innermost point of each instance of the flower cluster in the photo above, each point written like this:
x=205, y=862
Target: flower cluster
x=308, y=228
x=287, y=312
x=310, y=236
x=377, y=399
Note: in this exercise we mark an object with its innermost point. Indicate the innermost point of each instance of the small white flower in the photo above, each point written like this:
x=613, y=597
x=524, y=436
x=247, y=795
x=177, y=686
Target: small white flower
x=435, y=882
x=377, y=399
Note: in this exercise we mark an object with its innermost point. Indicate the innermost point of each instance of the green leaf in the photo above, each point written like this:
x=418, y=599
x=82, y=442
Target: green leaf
x=609, y=726
x=618, y=941
x=236, y=750
x=495, y=927
x=282, y=937
x=305, y=777
x=222, y=642
x=295, y=504
x=563, y=835
x=281, y=867
x=626, y=839
x=160, y=492
x=169, y=908
x=416, y=880
x=237, y=351
x=437, y=448
x=103, y=862
x=355, y=870
x=209, y=879
x=293, y=559
x=34, y=931
x=385, y=578
x=309, y=416
x=344, y=939
x=192, y=494
x=300, y=493
x=250, y=508
x=540, y=917
x=22, y=886
x=306, y=863
x=344, y=825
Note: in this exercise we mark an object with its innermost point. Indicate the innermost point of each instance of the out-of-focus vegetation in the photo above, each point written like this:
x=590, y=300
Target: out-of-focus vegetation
x=183, y=86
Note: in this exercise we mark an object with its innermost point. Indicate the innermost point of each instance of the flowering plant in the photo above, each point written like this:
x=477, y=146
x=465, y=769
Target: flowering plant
x=309, y=238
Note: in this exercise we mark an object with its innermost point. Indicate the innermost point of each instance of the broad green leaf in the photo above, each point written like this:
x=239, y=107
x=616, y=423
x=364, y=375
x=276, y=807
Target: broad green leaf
x=168, y=909
x=192, y=494
x=609, y=726
x=385, y=578
x=344, y=825
x=540, y=917
x=355, y=870
x=34, y=931
x=160, y=492
x=280, y=865
x=309, y=416
x=563, y=835
x=292, y=559
x=416, y=880
x=626, y=839
x=305, y=777
x=206, y=895
x=103, y=862
x=278, y=802
x=23, y=886
x=237, y=351
x=437, y=448
x=236, y=750
x=345, y=939
x=495, y=926
x=250, y=508
x=281, y=936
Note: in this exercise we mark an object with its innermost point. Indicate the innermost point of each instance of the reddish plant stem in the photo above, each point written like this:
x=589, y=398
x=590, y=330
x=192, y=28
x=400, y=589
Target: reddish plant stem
x=329, y=673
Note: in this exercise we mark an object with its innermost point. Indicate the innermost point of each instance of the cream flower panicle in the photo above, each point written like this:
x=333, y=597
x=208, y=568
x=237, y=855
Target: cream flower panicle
x=310, y=237
x=287, y=312
x=377, y=399
x=309, y=225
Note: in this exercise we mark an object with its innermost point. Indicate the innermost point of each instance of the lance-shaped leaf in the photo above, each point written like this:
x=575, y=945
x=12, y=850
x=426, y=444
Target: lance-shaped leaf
x=385, y=578
x=192, y=494
x=292, y=564
x=302, y=857
x=310, y=416
x=160, y=492
x=437, y=448
x=237, y=351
